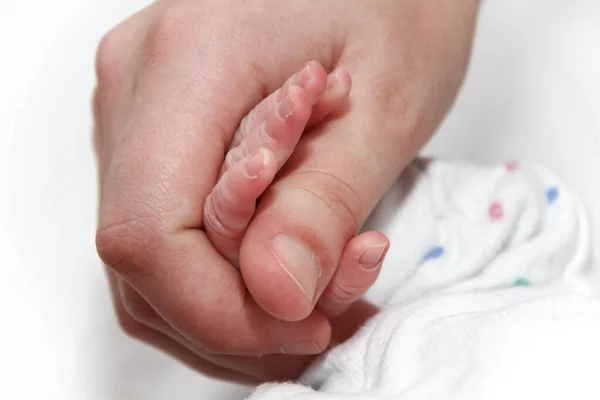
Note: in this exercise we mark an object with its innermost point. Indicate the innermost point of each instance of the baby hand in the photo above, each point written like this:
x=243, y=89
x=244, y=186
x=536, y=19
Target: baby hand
x=263, y=142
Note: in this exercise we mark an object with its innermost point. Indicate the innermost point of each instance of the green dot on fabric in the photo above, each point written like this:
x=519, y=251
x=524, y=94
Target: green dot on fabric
x=522, y=282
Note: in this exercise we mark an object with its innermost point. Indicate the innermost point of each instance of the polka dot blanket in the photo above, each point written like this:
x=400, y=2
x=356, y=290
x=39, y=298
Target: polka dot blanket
x=488, y=292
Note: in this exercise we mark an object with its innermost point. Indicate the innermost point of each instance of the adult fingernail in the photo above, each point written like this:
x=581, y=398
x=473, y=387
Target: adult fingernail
x=298, y=262
x=286, y=107
x=302, y=77
x=305, y=347
x=255, y=163
x=372, y=256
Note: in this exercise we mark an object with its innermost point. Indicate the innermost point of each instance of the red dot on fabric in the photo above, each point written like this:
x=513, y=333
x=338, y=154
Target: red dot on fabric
x=496, y=211
x=511, y=165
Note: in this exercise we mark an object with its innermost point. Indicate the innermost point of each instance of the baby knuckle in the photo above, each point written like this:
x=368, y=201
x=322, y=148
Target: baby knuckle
x=216, y=223
x=232, y=158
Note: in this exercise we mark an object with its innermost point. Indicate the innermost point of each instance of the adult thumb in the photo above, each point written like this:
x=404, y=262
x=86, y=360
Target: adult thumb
x=333, y=180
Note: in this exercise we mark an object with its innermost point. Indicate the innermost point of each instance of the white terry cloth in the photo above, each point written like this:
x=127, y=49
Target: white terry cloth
x=488, y=292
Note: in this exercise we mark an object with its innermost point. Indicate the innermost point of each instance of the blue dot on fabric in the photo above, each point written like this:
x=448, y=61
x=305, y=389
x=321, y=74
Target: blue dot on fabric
x=552, y=194
x=433, y=253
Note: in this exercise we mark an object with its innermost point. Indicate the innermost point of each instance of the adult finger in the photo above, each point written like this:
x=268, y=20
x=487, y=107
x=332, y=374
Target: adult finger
x=358, y=269
x=141, y=331
x=141, y=320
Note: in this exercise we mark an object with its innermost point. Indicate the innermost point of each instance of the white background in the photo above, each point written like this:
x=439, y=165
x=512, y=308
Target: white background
x=533, y=92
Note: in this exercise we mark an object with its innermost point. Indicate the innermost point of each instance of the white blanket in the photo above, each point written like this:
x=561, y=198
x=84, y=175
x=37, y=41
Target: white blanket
x=488, y=293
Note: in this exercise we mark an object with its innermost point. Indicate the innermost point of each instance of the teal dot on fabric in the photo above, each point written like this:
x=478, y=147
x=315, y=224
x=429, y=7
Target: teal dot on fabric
x=522, y=282
x=552, y=194
x=433, y=253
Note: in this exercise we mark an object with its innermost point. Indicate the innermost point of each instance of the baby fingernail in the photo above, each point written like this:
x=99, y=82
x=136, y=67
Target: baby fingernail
x=286, y=107
x=372, y=256
x=302, y=77
x=333, y=80
x=305, y=347
x=255, y=163
x=297, y=261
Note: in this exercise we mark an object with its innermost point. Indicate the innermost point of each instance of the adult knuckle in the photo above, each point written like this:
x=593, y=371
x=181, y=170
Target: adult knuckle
x=108, y=59
x=217, y=340
x=136, y=306
x=392, y=97
x=130, y=326
x=219, y=335
x=341, y=294
x=393, y=84
x=337, y=195
x=215, y=345
x=170, y=32
x=122, y=243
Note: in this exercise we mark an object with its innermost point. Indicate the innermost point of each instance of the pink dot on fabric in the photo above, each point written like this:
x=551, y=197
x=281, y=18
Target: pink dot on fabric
x=511, y=165
x=496, y=211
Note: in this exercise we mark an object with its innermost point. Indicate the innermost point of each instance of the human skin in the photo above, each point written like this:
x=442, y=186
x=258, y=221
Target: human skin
x=174, y=81
x=263, y=142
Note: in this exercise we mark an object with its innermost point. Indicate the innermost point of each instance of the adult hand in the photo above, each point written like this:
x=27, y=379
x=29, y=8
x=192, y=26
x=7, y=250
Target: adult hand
x=173, y=83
